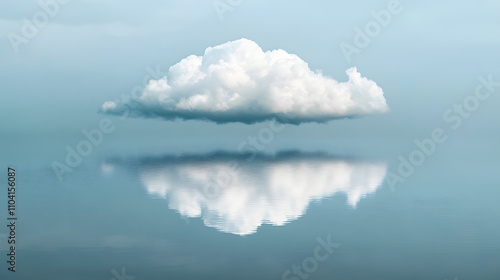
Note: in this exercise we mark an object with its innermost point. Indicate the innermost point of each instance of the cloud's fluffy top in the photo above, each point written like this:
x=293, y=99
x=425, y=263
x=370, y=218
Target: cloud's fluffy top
x=237, y=197
x=239, y=82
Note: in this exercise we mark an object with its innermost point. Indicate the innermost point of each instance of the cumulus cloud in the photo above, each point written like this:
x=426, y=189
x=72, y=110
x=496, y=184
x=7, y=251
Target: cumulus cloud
x=236, y=196
x=239, y=82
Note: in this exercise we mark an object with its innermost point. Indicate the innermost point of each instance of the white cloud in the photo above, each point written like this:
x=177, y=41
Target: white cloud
x=237, y=197
x=239, y=82
x=109, y=105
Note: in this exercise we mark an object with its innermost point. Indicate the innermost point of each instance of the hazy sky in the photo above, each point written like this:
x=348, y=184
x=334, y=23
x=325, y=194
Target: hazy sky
x=427, y=57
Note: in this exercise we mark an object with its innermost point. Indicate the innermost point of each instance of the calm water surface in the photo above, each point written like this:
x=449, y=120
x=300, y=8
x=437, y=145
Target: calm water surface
x=222, y=215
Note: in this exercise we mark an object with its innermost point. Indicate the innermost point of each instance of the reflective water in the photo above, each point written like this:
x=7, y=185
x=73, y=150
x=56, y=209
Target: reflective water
x=237, y=193
x=286, y=215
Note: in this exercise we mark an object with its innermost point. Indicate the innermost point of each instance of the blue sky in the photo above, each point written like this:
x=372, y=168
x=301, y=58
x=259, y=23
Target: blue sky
x=426, y=59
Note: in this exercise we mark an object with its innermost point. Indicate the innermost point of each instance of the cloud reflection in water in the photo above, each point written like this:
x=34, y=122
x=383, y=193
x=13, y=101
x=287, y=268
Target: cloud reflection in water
x=236, y=195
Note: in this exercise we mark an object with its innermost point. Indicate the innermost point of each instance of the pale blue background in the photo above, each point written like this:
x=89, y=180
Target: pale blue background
x=441, y=223
x=428, y=58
